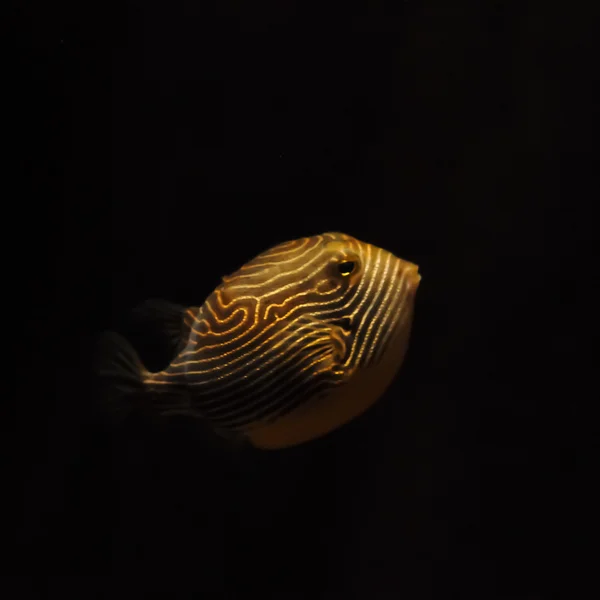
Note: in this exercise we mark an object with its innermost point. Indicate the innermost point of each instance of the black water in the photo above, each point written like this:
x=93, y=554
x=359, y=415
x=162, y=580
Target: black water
x=162, y=146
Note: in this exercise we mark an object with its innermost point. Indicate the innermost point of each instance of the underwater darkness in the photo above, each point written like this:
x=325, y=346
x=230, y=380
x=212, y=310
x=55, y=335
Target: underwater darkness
x=164, y=145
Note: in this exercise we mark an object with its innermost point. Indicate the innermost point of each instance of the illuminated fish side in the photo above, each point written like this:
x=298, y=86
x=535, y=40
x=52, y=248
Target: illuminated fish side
x=297, y=342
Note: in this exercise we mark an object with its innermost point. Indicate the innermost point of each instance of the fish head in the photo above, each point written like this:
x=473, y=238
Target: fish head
x=366, y=296
x=376, y=294
x=336, y=278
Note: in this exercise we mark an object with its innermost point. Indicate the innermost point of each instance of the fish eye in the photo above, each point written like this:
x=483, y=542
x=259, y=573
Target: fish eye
x=346, y=268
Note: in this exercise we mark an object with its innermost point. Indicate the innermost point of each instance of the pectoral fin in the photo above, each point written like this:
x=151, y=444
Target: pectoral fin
x=312, y=334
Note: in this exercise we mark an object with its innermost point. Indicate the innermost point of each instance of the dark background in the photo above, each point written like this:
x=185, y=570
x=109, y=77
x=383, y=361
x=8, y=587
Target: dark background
x=165, y=144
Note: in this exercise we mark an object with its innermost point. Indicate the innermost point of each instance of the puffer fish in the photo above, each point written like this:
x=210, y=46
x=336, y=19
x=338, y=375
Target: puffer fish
x=297, y=342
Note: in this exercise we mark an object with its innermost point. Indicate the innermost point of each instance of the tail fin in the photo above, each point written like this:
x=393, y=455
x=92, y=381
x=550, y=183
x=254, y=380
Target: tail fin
x=120, y=370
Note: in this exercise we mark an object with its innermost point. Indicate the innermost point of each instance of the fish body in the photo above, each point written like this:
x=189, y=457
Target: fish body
x=298, y=341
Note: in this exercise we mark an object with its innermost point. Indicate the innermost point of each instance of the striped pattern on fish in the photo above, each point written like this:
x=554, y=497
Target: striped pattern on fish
x=288, y=328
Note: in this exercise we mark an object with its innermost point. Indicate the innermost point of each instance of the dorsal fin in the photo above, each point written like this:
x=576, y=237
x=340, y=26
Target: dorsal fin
x=172, y=321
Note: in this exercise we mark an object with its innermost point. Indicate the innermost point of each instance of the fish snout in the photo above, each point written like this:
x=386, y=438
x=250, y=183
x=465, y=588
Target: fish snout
x=410, y=272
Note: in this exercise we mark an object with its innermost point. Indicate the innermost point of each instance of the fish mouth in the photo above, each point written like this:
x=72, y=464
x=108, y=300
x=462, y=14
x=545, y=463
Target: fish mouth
x=411, y=271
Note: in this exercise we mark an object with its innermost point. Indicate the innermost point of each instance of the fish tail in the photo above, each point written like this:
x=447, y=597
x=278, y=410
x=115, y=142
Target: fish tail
x=120, y=371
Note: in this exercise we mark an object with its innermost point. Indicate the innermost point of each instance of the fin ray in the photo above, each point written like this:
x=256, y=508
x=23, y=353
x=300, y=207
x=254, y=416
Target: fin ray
x=120, y=371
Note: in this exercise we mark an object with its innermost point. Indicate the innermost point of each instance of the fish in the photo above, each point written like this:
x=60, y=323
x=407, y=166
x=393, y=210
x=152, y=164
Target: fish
x=296, y=343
